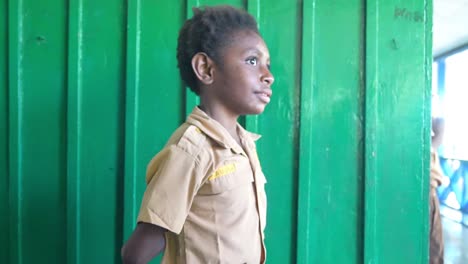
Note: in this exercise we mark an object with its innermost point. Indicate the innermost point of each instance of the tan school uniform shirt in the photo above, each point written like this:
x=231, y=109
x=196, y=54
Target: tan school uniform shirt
x=437, y=175
x=209, y=193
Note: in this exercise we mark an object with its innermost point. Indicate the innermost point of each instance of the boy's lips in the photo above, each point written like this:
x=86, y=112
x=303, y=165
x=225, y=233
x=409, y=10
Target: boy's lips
x=264, y=95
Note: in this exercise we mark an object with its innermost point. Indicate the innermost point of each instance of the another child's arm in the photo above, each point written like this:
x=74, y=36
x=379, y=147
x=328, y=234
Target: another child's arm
x=145, y=243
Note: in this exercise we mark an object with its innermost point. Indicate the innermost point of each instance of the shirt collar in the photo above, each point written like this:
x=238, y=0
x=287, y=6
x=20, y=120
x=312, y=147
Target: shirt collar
x=217, y=132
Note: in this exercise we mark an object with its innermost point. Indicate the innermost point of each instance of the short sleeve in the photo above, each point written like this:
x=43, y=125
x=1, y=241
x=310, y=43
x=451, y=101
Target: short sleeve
x=175, y=181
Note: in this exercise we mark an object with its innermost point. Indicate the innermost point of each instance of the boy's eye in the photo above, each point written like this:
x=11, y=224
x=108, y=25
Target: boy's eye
x=252, y=61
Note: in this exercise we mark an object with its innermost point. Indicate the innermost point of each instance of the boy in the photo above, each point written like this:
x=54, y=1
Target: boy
x=436, y=240
x=205, y=200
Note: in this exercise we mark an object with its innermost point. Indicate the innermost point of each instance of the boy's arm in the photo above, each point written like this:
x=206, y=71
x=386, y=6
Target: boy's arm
x=145, y=243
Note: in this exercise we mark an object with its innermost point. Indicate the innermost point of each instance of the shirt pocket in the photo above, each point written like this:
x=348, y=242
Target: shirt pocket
x=228, y=176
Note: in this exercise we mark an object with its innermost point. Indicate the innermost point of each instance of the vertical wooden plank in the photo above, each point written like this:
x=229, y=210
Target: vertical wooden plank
x=133, y=61
x=96, y=129
x=74, y=129
x=4, y=179
x=306, y=186
x=36, y=130
x=155, y=102
x=329, y=226
x=397, y=131
x=15, y=40
x=426, y=128
x=278, y=124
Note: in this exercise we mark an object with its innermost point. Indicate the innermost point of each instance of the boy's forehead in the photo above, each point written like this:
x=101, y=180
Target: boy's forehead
x=249, y=42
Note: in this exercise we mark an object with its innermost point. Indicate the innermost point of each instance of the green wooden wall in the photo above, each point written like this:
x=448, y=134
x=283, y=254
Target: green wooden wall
x=89, y=92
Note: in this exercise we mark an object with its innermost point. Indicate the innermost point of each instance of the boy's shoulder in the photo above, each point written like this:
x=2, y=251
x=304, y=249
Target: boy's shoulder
x=186, y=144
x=190, y=139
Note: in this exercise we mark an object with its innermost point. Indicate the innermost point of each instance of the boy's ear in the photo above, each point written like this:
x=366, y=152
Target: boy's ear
x=203, y=66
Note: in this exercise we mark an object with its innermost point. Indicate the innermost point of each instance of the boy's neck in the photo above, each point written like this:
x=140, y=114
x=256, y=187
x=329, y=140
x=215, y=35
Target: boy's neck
x=229, y=122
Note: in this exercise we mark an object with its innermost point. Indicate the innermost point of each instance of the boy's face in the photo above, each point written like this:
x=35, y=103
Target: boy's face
x=242, y=77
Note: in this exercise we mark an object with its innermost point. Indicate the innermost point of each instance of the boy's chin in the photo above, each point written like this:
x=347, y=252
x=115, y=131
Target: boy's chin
x=257, y=110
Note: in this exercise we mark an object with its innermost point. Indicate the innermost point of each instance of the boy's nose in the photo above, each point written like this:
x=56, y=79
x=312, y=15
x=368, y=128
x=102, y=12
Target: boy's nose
x=268, y=78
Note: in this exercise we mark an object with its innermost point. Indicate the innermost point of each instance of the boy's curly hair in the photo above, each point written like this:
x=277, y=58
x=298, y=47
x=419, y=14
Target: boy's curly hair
x=209, y=30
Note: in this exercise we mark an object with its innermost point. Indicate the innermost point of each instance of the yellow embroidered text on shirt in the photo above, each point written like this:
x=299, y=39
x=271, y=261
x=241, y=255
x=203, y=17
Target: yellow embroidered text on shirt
x=226, y=169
